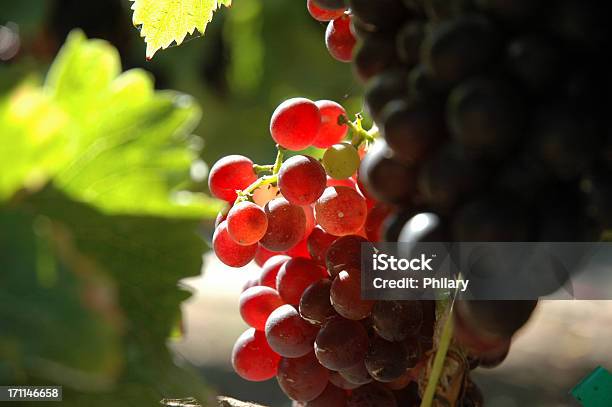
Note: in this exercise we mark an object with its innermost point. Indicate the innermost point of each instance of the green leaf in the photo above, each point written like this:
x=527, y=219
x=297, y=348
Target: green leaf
x=132, y=153
x=89, y=300
x=32, y=144
x=163, y=22
x=104, y=137
x=49, y=289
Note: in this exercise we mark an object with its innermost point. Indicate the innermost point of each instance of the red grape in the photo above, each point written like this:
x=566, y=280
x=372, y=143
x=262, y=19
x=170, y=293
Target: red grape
x=286, y=225
x=299, y=250
x=295, y=276
x=375, y=219
x=288, y=334
x=332, y=396
x=370, y=201
x=295, y=123
x=270, y=269
x=303, y=378
x=301, y=180
x=252, y=282
x=256, y=305
x=341, y=211
x=344, y=253
x=262, y=255
x=230, y=252
x=339, y=39
x=346, y=182
x=322, y=14
x=229, y=174
x=264, y=194
x=318, y=243
x=315, y=305
x=246, y=223
x=345, y=295
x=331, y=132
x=252, y=357
x=341, y=343
x=310, y=219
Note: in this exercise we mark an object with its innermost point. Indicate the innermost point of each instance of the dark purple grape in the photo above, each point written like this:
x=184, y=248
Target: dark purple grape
x=337, y=380
x=393, y=225
x=344, y=253
x=562, y=214
x=341, y=343
x=536, y=62
x=411, y=130
x=384, y=88
x=357, y=374
x=439, y=10
x=491, y=220
x=408, y=396
x=409, y=40
x=372, y=395
x=580, y=23
x=523, y=178
x=383, y=14
x=449, y=177
x=397, y=320
x=414, y=351
x=332, y=396
x=565, y=141
x=386, y=178
x=315, y=306
x=386, y=361
x=458, y=48
x=423, y=87
x=303, y=378
x=374, y=55
x=485, y=315
x=486, y=117
x=288, y=334
x=515, y=11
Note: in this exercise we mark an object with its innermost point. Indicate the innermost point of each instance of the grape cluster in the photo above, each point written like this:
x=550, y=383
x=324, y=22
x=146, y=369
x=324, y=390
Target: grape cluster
x=304, y=221
x=493, y=120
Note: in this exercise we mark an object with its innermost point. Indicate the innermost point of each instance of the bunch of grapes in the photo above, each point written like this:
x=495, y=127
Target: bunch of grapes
x=494, y=123
x=303, y=221
x=492, y=120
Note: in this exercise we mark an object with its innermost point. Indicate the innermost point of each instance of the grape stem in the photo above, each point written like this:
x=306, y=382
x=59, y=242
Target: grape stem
x=246, y=193
x=439, y=359
x=262, y=168
x=359, y=134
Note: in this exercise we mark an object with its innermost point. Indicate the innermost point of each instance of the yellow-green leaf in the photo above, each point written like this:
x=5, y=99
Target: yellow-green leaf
x=163, y=22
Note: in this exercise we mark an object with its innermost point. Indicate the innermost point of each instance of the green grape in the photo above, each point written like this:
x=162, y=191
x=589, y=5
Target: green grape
x=341, y=160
